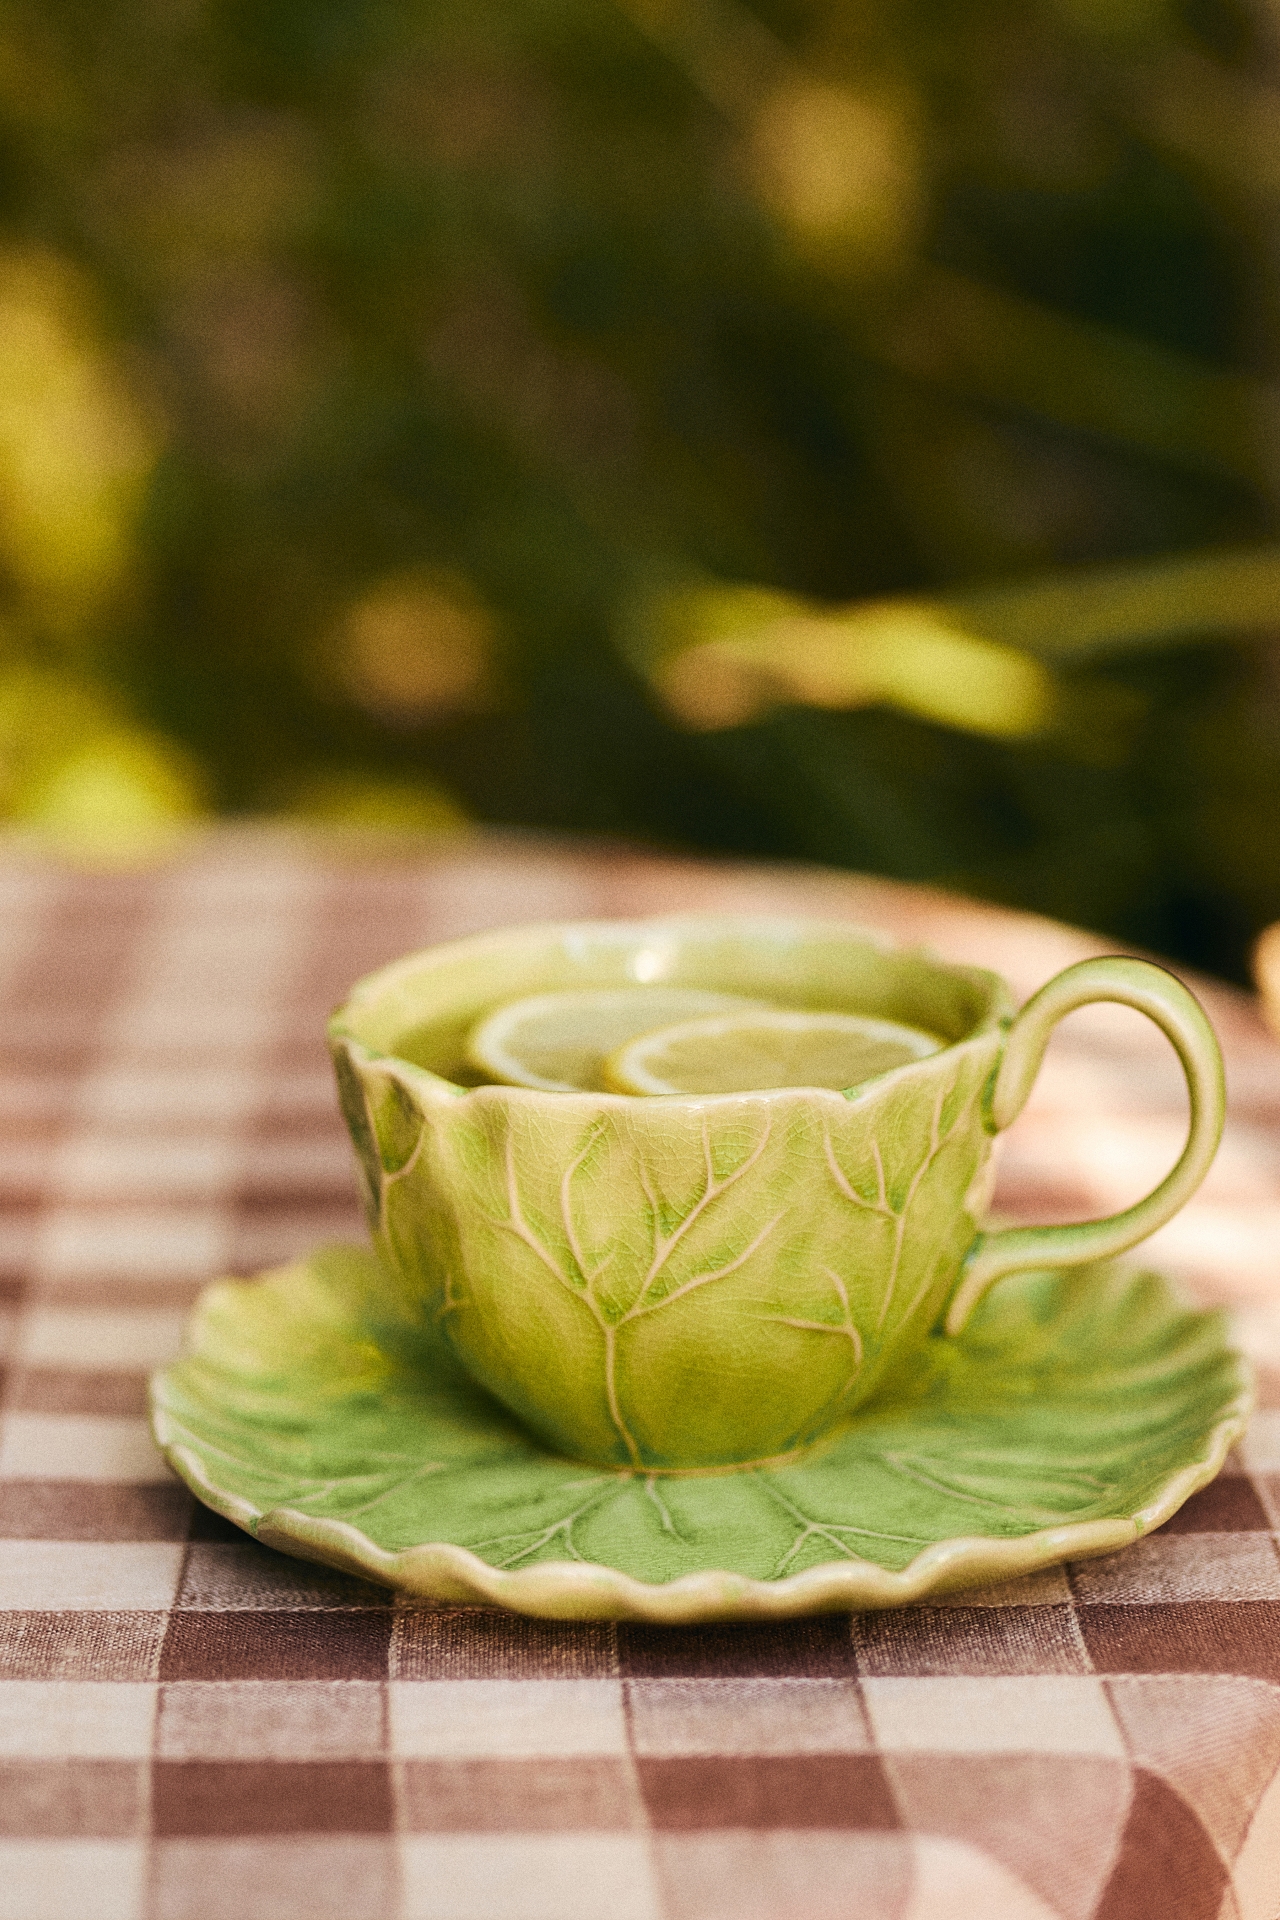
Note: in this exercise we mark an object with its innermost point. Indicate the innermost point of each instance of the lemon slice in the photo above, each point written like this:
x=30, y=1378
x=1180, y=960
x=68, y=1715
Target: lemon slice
x=747, y=1050
x=557, y=1042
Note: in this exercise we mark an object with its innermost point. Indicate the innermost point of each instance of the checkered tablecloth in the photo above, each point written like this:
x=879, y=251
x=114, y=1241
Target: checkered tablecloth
x=195, y=1728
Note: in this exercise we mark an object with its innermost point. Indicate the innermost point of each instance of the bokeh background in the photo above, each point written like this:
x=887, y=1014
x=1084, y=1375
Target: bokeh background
x=847, y=429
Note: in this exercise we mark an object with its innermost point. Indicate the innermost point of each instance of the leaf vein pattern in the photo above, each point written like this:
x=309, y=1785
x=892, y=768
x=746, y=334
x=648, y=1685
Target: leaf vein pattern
x=566, y=1214
x=312, y=1489
x=397, y=1486
x=538, y=1539
x=882, y=1206
x=705, y=1279
x=912, y=1469
x=402, y=1173
x=451, y=1301
x=519, y=1226
x=846, y=1186
x=844, y=1328
x=826, y=1530
x=664, y=1512
x=664, y=1245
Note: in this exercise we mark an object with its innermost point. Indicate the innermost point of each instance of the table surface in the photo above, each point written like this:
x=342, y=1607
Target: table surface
x=195, y=1728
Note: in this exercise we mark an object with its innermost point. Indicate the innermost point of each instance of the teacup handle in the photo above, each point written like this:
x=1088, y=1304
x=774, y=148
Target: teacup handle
x=1133, y=983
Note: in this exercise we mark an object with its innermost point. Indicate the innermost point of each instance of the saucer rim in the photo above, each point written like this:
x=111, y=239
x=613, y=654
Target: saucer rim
x=444, y=1574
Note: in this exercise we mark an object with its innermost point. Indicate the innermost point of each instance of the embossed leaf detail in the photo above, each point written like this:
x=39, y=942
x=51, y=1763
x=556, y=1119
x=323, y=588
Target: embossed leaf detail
x=1048, y=1489
x=309, y=1393
x=628, y=1280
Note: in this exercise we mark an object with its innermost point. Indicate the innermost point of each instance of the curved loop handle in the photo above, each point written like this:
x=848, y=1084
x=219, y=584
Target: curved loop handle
x=1133, y=983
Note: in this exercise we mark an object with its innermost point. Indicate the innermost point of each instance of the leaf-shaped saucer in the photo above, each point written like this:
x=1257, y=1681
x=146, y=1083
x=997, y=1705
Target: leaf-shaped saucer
x=1076, y=1412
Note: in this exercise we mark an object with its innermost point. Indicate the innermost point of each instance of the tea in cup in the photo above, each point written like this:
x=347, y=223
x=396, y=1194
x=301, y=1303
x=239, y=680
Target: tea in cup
x=713, y=1277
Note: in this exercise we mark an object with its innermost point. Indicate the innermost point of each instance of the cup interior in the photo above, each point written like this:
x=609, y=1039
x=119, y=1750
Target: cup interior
x=422, y=1008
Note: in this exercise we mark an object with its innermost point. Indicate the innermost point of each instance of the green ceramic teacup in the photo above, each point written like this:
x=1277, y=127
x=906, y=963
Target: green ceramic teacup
x=692, y=1282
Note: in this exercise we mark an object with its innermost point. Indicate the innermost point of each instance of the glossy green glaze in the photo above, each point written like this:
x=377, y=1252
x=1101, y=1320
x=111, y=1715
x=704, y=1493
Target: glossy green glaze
x=701, y=1281
x=1076, y=1412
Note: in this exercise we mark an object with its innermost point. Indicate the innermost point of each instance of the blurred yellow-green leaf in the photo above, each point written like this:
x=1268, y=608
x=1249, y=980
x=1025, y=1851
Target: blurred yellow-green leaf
x=366, y=802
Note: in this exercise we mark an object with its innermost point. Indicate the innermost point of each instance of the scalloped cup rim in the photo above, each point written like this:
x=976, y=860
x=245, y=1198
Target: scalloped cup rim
x=436, y=1085
x=372, y=985
x=371, y=993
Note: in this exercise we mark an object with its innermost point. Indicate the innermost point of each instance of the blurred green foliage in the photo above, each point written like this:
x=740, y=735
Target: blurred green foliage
x=413, y=411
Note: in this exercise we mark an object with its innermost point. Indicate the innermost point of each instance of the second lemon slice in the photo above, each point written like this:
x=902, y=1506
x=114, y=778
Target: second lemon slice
x=750, y=1049
x=557, y=1042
